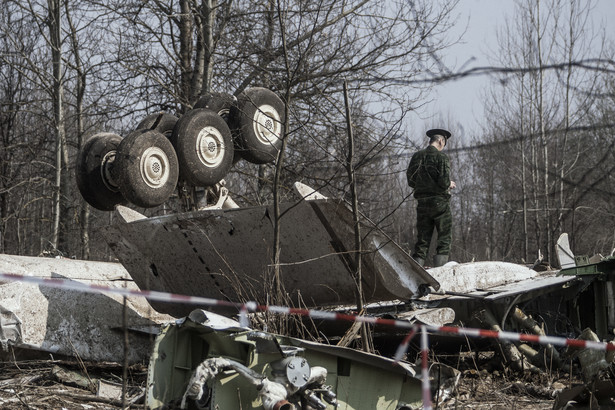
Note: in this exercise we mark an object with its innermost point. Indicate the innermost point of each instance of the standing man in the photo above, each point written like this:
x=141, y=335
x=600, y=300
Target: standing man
x=429, y=175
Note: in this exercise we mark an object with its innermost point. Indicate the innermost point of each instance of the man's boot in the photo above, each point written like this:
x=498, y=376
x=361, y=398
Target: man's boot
x=420, y=261
x=440, y=260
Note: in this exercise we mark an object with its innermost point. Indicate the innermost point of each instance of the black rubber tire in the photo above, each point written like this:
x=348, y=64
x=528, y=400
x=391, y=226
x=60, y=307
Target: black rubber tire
x=220, y=103
x=93, y=171
x=204, y=147
x=165, y=125
x=256, y=122
x=146, y=168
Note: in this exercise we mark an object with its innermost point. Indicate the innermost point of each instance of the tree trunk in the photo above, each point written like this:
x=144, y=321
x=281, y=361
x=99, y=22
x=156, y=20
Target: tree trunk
x=280, y=158
x=56, y=55
x=186, y=33
x=81, y=79
x=209, y=18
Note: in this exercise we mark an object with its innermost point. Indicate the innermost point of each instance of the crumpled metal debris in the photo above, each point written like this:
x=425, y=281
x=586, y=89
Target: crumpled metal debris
x=598, y=395
x=272, y=393
x=199, y=362
x=66, y=322
x=593, y=361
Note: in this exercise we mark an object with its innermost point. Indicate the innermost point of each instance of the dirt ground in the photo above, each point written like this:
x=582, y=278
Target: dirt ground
x=63, y=384
x=487, y=382
x=66, y=384
x=482, y=390
x=36, y=385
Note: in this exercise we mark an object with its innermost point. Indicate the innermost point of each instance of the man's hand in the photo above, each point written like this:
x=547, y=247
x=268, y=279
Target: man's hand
x=452, y=185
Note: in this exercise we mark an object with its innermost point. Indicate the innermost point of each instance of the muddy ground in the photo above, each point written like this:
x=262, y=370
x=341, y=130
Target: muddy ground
x=69, y=384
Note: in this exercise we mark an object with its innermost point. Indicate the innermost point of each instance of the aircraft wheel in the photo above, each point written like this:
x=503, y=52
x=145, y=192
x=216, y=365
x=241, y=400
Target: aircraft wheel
x=256, y=121
x=220, y=103
x=165, y=124
x=204, y=147
x=147, y=169
x=94, y=175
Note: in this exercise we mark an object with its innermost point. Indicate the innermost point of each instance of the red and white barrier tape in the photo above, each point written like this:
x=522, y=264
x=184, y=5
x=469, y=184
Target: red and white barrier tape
x=523, y=337
x=244, y=308
x=197, y=300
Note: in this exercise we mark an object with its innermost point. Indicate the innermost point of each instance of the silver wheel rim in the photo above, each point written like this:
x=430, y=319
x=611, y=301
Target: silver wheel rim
x=267, y=125
x=105, y=171
x=210, y=147
x=224, y=113
x=154, y=167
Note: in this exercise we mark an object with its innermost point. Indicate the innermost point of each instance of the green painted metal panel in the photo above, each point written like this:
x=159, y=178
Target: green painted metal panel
x=360, y=381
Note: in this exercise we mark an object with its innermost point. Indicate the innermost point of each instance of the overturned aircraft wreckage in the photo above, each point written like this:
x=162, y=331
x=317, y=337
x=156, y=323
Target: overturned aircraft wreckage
x=220, y=251
x=207, y=361
x=225, y=254
x=39, y=321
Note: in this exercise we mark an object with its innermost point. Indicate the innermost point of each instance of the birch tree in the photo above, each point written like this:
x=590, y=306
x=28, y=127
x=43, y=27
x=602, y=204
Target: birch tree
x=538, y=110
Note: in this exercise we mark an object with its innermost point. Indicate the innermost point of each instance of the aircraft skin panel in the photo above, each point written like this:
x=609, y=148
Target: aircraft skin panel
x=227, y=254
x=358, y=380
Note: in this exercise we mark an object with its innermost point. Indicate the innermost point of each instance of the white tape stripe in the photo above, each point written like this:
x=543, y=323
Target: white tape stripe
x=466, y=331
x=551, y=340
x=509, y=336
x=425, y=369
x=401, y=351
x=366, y=319
x=321, y=314
x=278, y=309
x=589, y=344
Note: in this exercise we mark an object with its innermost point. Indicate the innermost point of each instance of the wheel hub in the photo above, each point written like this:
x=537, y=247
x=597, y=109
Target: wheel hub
x=106, y=173
x=210, y=147
x=267, y=124
x=154, y=167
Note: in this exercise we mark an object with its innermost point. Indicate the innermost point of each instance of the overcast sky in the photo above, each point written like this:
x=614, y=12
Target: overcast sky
x=460, y=100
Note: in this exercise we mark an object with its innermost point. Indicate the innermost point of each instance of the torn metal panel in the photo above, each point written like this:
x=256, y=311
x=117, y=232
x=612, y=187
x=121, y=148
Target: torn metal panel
x=432, y=317
x=67, y=322
x=215, y=368
x=226, y=254
x=564, y=254
x=593, y=361
x=468, y=277
x=522, y=290
x=598, y=271
x=468, y=287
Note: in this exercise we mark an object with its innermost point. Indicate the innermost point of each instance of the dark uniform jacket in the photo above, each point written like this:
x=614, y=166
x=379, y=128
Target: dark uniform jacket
x=429, y=174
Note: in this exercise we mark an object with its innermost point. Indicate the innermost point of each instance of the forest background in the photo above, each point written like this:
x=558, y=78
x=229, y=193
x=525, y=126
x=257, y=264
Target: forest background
x=542, y=163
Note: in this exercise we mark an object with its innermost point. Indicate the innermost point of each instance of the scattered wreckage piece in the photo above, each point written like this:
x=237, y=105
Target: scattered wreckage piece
x=511, y=351
x=599, y=395
x=467, y=277
x=594, y=363
x=104, y=390
x=71, y=323
x=207, y=361
x=581, y=293
x=597, y=272
x=470, y=287
x=551, y=356
x=598, y=388
x=69, y=384
x=226, y=254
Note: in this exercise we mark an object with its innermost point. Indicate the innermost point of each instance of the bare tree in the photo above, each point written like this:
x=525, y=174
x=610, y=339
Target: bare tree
x=537, y=111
